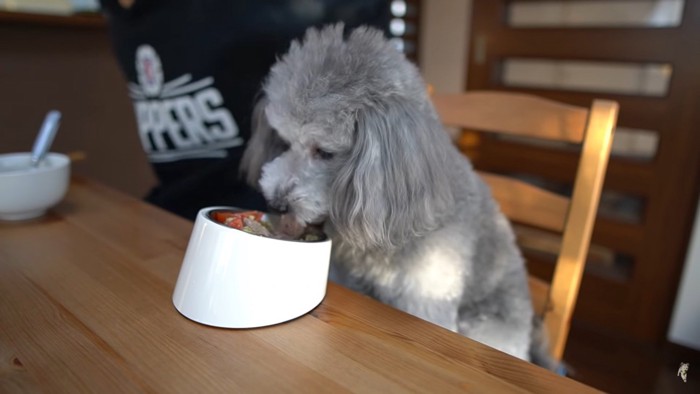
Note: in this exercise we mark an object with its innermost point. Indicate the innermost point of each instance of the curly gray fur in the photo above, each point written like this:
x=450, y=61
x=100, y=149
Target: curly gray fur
x=412, y=224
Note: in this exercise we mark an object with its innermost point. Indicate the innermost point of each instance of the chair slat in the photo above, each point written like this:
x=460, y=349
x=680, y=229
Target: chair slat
x=539, y=293
x=517, y=114
x=528, y=204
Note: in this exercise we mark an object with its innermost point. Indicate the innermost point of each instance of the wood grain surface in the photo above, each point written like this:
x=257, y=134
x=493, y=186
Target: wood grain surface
x=85, y=306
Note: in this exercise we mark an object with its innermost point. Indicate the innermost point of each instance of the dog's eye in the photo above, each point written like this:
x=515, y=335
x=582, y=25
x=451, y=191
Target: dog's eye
x=323, y=154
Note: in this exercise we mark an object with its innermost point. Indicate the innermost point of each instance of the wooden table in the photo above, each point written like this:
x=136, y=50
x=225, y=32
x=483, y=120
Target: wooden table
x=85, y=306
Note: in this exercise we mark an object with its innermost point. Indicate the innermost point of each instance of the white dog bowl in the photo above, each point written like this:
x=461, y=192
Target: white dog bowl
x=26, y=192
x=233, y=279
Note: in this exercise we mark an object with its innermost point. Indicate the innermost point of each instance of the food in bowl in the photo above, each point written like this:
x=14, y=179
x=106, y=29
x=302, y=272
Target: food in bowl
x=259, y=223
x=249, y=221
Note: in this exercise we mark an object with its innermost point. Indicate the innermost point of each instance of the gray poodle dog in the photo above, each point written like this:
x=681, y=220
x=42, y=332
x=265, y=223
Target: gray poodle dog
x=346, y=136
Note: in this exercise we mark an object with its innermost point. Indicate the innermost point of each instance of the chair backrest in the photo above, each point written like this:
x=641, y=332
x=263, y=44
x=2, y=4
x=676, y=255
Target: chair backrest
x=530, y=206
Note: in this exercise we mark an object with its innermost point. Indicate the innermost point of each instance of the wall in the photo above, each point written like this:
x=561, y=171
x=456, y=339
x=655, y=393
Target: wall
x=685, y=323
x=444, y=43
x=71, y=69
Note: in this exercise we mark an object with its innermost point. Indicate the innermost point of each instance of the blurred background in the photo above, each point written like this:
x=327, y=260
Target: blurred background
x=638, y=315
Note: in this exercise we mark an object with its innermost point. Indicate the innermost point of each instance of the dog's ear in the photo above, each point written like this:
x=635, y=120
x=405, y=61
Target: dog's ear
x=395, y=184
x=264, y=145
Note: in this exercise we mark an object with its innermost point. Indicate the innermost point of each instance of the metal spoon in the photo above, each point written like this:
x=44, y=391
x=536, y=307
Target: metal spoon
x=43, y=141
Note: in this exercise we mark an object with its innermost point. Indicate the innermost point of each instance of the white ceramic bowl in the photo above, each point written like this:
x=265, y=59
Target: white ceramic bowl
x=233, y=279
x=26, y=192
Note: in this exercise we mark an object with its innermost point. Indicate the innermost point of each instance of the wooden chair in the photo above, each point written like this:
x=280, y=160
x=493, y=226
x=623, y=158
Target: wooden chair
x=529, y=206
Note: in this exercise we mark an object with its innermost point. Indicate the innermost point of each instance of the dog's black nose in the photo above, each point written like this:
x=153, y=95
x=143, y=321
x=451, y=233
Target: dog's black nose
x=278, y=207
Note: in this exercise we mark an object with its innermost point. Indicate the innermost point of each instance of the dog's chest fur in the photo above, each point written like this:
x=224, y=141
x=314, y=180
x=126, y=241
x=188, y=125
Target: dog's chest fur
x=423, y=270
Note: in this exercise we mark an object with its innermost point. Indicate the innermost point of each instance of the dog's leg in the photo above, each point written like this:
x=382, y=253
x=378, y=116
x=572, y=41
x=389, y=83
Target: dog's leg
x=431, y=289
x=503, y=320
x=442, y=312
